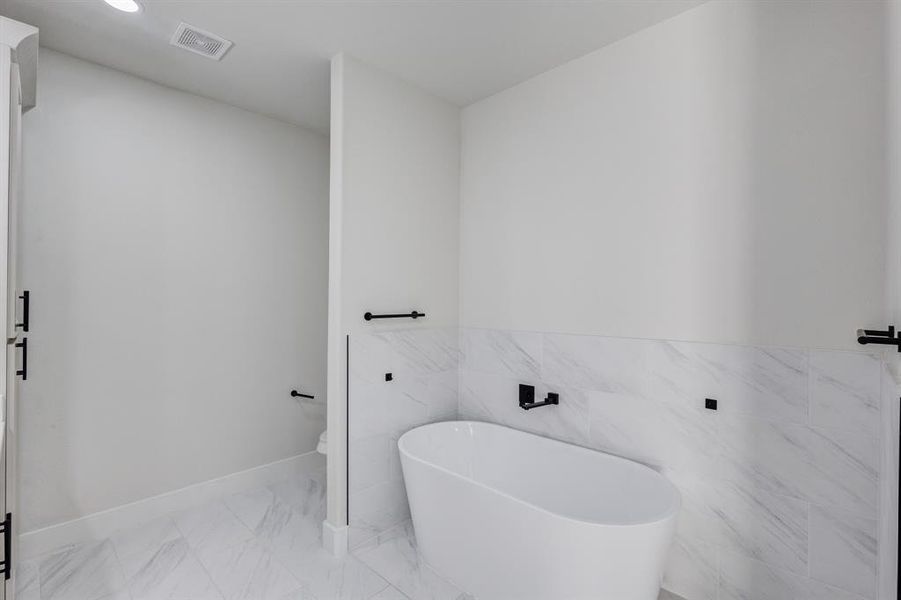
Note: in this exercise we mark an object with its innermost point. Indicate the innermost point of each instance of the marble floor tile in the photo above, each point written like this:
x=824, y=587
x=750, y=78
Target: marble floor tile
x=172, y=573
x=299, y=594
x=319, y=474
x=247, y=571
x=251, y=506
x=390, y=593
x=273, y=522
x=137, y=546
x=159, y=565
x=238, y=547
x=124, y=595
x=81, y=572
x=306, y=495
x=332, y=578
x=28, y=582
x=212, y=524
x=394, y=556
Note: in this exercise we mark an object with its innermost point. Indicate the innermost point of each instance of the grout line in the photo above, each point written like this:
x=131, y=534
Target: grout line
x=127, y=581
x=379, y=575
x=809, y=510
x=872, y=352
x=193, y=554
x=192, y=551
x=277, y=557
x=195, y=550
x=808, y=391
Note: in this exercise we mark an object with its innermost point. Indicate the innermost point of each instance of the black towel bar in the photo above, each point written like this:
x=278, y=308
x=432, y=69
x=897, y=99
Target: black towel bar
x=886, y=337
x=412, y=315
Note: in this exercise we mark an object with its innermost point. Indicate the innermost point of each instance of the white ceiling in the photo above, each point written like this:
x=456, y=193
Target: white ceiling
x=461, y=50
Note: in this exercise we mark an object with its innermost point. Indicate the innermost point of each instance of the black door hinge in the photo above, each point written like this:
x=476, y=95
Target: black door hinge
x=6, y=565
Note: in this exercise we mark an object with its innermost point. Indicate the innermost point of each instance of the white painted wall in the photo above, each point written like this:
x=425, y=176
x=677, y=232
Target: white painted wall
x=175, y=248
x=400, y=191
x=395, y=221
x=717, y=177
x=893, y=156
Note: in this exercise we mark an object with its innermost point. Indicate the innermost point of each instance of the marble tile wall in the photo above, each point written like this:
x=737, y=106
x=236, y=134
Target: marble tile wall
x=888, y=480
x=424, y=364
x=780, y=485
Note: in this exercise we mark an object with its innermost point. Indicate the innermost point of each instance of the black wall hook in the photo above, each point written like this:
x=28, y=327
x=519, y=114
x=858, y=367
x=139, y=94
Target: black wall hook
x=296, y=394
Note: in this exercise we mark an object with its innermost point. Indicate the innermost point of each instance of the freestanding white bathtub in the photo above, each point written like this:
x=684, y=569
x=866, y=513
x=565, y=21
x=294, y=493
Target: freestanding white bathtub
x=507, y=515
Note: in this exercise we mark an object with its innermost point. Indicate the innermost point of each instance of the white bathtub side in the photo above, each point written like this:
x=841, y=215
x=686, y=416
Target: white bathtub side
x=496, y=547
x=552, y=475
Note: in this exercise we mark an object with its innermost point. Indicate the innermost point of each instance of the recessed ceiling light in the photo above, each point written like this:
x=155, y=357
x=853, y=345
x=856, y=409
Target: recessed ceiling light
x=124, y=5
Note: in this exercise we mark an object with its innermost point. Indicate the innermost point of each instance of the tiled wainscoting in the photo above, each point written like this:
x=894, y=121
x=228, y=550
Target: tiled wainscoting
x=780, y=485
x=888, y=478
x=424, y=368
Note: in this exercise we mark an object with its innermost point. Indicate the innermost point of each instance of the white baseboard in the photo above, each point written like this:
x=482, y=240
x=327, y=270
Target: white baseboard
x=101, y=525
x=334, y=539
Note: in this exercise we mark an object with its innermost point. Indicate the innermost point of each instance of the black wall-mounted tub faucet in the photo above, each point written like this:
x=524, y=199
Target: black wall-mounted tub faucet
x=527, y=397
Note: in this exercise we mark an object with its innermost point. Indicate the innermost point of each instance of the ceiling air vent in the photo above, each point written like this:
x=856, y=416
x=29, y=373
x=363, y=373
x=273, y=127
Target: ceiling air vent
x=200, y=42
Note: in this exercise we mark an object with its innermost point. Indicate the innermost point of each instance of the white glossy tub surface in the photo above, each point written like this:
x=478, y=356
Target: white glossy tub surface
x=507, y=515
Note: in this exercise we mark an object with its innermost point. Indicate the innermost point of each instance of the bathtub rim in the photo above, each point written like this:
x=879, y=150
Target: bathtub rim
x=670, y=514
